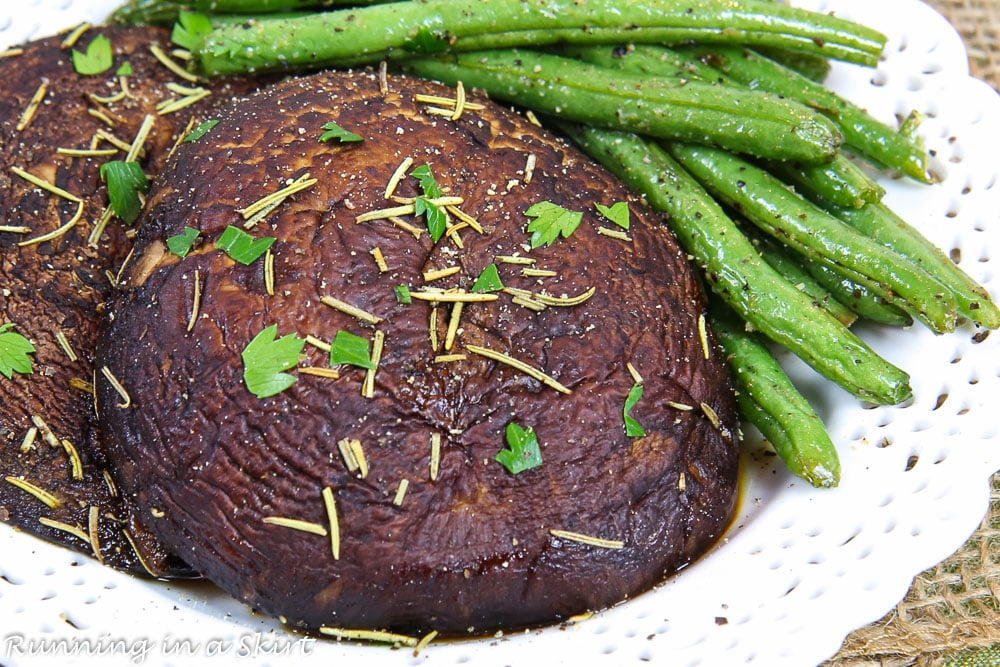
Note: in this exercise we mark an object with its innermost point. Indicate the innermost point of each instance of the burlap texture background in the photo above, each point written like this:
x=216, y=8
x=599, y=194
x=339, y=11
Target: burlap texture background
x=951, y=615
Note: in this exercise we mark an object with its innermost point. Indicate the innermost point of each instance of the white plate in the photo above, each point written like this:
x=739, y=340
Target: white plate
x=800, y=569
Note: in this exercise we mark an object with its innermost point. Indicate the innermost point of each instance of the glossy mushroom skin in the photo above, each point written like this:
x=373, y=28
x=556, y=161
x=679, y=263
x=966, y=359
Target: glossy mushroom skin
x=60, y=285
x=470, y=548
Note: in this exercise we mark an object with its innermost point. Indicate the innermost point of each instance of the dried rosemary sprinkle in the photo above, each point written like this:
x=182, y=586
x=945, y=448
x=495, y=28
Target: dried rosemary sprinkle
x=126, y=399
x=195, y=301
x=514, y=259
x=634, y=373
x=316, y=342
x=348, y=309
x=435, y=455
x=86, y=152
x=353, y=453
x=102, y=116
x=433, y=327
x=703, y=335
x=587, y=539
x=269, y=272
x=135, y=149
x=452, y=297
x=682, y=482
x=15, y=229
x=258, y=210
x=711, y=414
x=11, y=53
x=614, y=233
x=564, y=300
x=680, y=406
x=519, y=365
x=41, y=494
x=462, y=216
x=36, y=101
x=98, y=231
x=397, y=176
x=93, y=532
x=438, y=274
x=405, y=226
x=74, y=35
x=76, y=464
x=66, y=347
x=456, y=316
x=446, y=358
x=528, y=272
x=29, y=439
x=529, y=303
x=56, y=233
x=331, y=515
x=424, y=642
x=112, y=139
x=81, y=385
x=45, y=185
x=170, y=64
x=404, y=484
x=47, y=434
x=110, y=483
x=175, y=104
x=138, y=554
x=376, y=253
x=529, y=168
x=378, y=343
x=369, y=635
x=297, y=524
x=319, y=371
x=76, y=531
x=108, y=99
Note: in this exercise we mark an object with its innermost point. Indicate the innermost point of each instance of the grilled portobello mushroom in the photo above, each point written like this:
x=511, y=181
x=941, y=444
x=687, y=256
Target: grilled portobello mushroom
x=53, y=288
x=341, y=430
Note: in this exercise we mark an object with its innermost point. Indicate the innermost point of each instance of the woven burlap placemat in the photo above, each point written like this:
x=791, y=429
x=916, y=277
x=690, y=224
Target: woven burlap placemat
x=951, y=615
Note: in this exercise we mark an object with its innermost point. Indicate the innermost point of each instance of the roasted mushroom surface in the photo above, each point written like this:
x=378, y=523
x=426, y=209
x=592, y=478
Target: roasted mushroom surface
x=59, y=254
x=356, y=483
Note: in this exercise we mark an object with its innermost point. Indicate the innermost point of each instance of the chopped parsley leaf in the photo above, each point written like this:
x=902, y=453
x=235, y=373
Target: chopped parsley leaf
x=434, y=215
x=427, y=41
x=350, y=349
x=242, y=247
x=126, y=181
x=125, y=70
x=403, y=294
x=334, y=131
x=181, y=244
x=200, y=131
x=551, y=221
x=189, y=29
x=633, y=428
x=14, y=351
x=265, y=360
x=96, y=59
x=617, y=213
x=524, y=453
x=488, y=280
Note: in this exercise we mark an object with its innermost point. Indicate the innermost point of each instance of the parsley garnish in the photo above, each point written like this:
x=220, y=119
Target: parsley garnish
x=14, y=351
x=488, y=280
x=403, y=294
x=334, y=131
x=633, y=428
x=189, y=29
x=125, y=70
x=617, y=213
x=200, y=131
x=96, y=59
x=524, y=453
x=437, y=219
x=427, y=41
x=551, y=221
x=181, y=244
x=350, y=349
x=126, y=181
x=242, y=247
x=265, y=359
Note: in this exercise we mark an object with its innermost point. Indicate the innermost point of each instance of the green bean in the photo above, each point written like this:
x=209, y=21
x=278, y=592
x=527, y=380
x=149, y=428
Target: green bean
x=368, y=34
x=859, y=298
x=744, y=121
x=839, y=180
x=882, y=224
x=768, y=399
x=902, y=150
x=733, y=269
x=815, y=233
x=794, y=273
x=813, y=67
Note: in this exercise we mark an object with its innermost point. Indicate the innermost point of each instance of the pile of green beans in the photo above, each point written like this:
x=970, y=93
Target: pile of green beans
x=714, y=112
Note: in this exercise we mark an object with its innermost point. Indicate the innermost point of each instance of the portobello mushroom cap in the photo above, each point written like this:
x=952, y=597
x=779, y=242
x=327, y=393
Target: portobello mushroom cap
x=58, y=286
x=395, y=537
